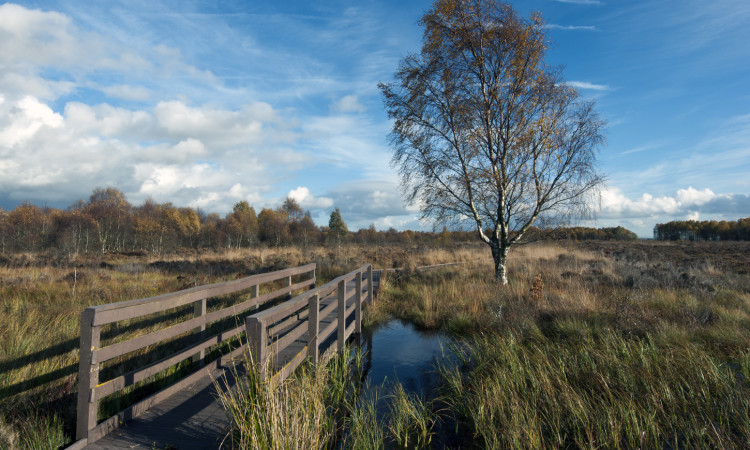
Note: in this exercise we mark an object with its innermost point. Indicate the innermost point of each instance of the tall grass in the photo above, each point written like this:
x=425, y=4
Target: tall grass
x=597, y=389
x=583, y=350
x=322, y=407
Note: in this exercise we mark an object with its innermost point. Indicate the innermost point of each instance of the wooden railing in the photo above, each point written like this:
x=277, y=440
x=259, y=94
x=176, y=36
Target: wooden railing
x=294, y=326
x=91, y=389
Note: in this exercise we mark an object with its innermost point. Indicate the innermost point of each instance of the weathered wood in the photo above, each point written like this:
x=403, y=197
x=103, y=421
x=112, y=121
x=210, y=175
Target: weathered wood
x=289, y=367
x=328, y=330
x=329, y=309
x=115, y=312
x=256, y=340
x=341, y=316
x=139, y=408
x=358, y=305
x=291, y=336
x=88, y=376
x=313, y=329
x=124, y=347
x=339, y=299
x=132, y=377
x=199, y=310
x=349, y=330
x=283, y=326
x=370, y=290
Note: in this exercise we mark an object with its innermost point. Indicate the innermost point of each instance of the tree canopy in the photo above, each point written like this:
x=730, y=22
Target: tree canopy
x=485, y=132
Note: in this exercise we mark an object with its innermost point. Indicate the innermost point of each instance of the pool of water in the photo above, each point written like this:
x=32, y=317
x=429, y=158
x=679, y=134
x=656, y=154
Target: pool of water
x=397, y=352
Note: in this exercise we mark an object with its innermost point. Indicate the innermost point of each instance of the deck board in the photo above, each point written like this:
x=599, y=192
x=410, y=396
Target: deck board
x=193, y=419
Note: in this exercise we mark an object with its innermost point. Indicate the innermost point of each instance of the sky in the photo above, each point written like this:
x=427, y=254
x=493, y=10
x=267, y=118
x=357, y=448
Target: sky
x=205, y=104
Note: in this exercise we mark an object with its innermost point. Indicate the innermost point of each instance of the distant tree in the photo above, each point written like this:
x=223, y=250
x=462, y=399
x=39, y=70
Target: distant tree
x=337, y=226
x=272, y=226
x=111, y=212
x=26, y=227
x=484, y=131
x=293, y=210
x=242, y=225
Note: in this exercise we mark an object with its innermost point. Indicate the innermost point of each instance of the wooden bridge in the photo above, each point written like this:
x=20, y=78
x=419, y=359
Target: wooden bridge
x=281, y=316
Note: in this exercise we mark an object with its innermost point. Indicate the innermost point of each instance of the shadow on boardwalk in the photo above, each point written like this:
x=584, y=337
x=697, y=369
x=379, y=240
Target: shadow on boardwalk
x=190, y=419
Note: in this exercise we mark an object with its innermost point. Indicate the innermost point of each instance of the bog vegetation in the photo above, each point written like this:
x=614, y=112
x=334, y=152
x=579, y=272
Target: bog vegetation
x=594, y=343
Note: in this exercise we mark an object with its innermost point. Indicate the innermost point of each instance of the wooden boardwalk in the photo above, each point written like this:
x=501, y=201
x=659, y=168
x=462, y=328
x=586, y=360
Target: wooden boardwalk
x=192, y=418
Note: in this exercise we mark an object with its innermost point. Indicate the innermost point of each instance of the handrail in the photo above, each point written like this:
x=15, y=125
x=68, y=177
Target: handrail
x=92, y=354
x=273, y=330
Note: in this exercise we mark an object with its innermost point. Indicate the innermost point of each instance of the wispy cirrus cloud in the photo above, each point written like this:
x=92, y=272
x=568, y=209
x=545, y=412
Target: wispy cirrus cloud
x=581, y=2
x=588, y=85
x=554, y=26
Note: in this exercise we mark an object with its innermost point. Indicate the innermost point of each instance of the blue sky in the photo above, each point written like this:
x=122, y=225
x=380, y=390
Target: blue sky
x=205, y=104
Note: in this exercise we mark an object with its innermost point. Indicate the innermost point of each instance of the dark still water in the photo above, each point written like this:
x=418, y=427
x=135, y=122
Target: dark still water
x=398, y=353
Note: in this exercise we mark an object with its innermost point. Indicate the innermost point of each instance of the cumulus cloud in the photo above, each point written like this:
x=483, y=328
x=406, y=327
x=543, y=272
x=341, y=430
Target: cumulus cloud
x=684, y=203
x=306, y=200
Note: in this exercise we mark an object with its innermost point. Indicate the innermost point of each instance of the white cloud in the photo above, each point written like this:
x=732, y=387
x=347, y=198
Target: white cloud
x=348, y=104
x=306, y=200
x=581, y=2
x=553, y=26
x=126, y=92
x=587, y=85
x=686, y=202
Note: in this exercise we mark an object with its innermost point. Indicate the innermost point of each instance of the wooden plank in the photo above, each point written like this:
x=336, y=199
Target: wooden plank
x=349, y=311
x=139, y=408
x=256, y=340
x=115, y=312
x=284, y=324
x=88, y=376
x=290, y=337
x=349, y=330
x=370, y=288
x=313, y=329
x=124, y=347
x=78, y=445
x=136, y=311
x=199, y=310
x=289, y=367
x=132, y=377
x=328, y=310
x=358, y=305
x=327, y=331
x=341, y=317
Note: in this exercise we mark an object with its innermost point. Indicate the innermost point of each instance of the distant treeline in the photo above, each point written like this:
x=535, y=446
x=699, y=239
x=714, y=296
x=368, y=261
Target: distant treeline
x=108, y=223
x=584, y=234
x=706, y=230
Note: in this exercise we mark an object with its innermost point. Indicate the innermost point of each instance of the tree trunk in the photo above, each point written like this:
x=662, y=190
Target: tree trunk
x=500, y=255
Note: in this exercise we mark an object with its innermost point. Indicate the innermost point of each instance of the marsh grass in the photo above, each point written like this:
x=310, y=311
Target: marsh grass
x=586, y=350
x=42, y=297
x=323, y=407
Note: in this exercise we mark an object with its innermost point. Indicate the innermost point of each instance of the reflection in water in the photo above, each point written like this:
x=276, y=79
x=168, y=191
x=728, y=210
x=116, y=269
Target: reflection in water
x=396, y=352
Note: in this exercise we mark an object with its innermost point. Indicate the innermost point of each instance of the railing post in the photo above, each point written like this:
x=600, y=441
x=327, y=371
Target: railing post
x=312, y=285
x=313, y=329
x=88, y=375
x=199, y=310
x=358, y=302
x=254, y=294
x=341, y=315
x=287, y=283
x=256, y=339
x=370, y=297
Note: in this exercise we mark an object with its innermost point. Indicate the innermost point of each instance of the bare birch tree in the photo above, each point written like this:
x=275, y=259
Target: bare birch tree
x=485, y=132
